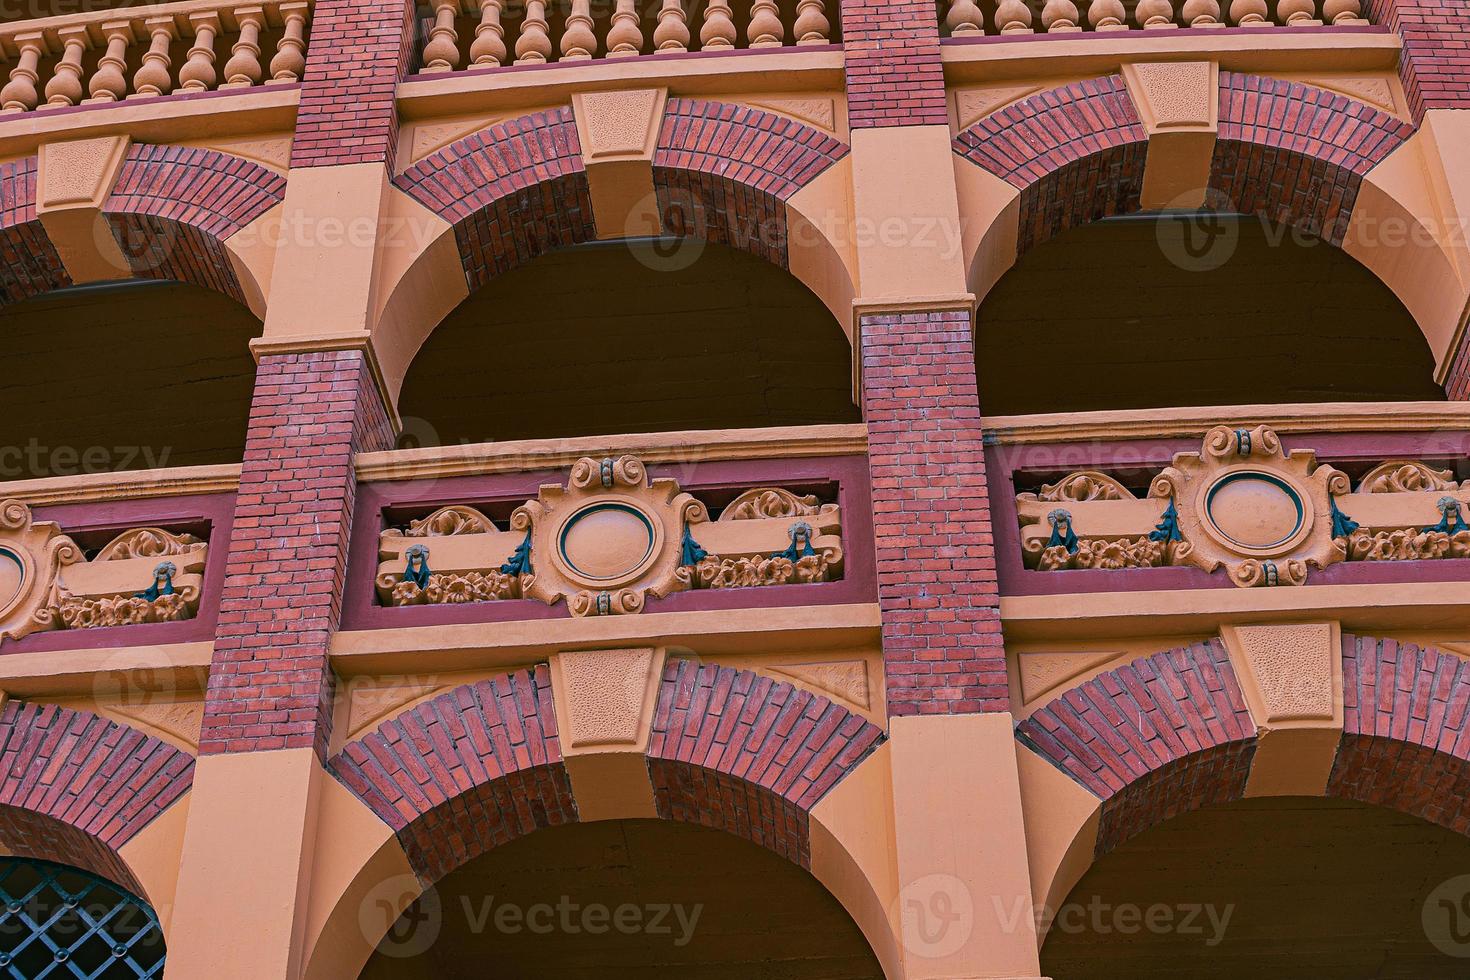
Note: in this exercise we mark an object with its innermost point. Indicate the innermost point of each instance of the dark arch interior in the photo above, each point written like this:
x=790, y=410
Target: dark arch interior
x=630, y=337
x=626, y=900
x=1306, y=889
x=1160, y=311
x=124, y=376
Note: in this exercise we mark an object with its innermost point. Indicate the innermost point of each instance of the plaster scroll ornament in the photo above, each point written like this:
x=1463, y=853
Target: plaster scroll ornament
x=32, y=555
x=454, y=555
x=127, y=584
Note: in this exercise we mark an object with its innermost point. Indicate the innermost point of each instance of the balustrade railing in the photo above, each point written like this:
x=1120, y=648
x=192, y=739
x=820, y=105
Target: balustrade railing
x=140, y=52
x=491, y=33
x=968, y=18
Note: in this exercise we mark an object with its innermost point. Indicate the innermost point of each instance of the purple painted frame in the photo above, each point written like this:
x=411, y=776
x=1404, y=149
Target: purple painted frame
x=217, y=510
x=850, y=473
x=1345, y=450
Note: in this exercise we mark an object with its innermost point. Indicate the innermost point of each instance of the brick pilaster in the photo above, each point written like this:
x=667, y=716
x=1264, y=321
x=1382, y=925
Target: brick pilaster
x=270, y=685
x=359, y=52
x=1435, y=66
x=894, y=77
x=942, y=646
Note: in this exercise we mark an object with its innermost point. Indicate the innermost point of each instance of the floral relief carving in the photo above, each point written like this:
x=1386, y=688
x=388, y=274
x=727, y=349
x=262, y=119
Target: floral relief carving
x=1267, y=517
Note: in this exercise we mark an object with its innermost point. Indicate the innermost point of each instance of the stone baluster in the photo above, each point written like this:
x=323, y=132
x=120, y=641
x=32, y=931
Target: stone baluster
x=1248, y=13
x=109, y=84
x=489, y=47
x=155, y=76
x=578, y=40
x=1060, y=17
x=965, y=17
x=1107, y=15
x=289, y=64
x=533, y=47
x=1013, y=17
x=441, y=53
x=625, y=37
x=1340, y=12
x=1202, y=13
x=1297, y=13
x=718, y=31
x=243, y=69
x=198, y=74
x=811, y=26
x=765, y=29
x=1154, y=14
x=672, y=34
x=20, y=93
x=65, y=86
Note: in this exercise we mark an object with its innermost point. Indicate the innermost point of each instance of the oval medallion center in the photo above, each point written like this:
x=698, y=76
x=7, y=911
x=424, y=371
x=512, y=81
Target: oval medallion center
x=1254, y=510
x=607, y=541
x=12, y=576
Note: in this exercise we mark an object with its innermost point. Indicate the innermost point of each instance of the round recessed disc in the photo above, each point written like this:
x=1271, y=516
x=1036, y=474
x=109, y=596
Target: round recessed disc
x=12, y=576
x=1254, y=510
x=607, y=541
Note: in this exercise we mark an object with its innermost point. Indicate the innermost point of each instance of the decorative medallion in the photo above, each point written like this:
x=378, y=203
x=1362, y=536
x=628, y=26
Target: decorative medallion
x=32, y=555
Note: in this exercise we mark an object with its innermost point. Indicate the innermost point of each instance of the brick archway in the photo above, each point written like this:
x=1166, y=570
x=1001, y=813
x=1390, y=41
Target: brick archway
x=171, y=210
x=76, y=787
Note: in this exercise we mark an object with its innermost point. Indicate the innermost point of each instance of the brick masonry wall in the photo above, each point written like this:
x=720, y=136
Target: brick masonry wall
x=1158, y=737
x=469, y=770
x=29, y=263
x=75, y=787
x=1435, y=66
x=891, y=57
x=1405, y=742
x=942, y=645
x=359, y=52
x=1457, y=379
x=739, y=752
x=269, y=685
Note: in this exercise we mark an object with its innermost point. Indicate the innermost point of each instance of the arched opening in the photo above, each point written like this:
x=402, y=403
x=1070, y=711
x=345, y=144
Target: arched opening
x=625, y=899
x=637, y=336
x=124, y=376
x=1156, y=311
x=60, y=921
x=1280, y=887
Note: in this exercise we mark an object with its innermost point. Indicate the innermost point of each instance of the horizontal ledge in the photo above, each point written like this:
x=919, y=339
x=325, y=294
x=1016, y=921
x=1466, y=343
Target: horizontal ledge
x=1164, y=423
x=691, y=73
x=478, y=645
x=161, y=671
x=1407, y=605
x=178, y=481
x=785, y=442
x=1237, y=49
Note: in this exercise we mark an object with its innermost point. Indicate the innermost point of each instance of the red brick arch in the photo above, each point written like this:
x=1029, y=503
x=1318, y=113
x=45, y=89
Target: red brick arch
x=171, y=210
x=75, y=787
x=481, y=765
x=1285, y=150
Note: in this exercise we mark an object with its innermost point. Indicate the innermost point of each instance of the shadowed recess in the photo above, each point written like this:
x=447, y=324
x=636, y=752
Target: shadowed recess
x=646, y=336
x=1290, y=888
x=1150, y=312
x=124, y=376
x=626, y=900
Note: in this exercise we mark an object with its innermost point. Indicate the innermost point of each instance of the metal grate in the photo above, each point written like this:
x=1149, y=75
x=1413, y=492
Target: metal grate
x=57, y=922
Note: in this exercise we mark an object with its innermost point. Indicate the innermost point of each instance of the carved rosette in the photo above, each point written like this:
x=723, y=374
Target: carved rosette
x=609, y=538
x=32, y=556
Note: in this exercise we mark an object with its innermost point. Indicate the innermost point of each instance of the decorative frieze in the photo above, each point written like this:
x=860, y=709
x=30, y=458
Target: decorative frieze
x=1243, y=504
x=606, y=540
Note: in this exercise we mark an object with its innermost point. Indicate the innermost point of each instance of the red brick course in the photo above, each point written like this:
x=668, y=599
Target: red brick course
x=269, y=684
x=29, y=263
x=943, y=650
x=1297, y=154
x=75, y=787
x=1435, y=65
x=1457, y=380
x=359, y=52
x=1158, y=737
x=173, y=207
x=1405, y=742
x=738, y=752
x=469, y=770
x=513, y=192
x=891, y=58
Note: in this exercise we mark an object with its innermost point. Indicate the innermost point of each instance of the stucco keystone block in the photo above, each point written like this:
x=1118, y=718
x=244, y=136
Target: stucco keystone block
x=604, y=698
x=1291, y=671
x=73, y=180
x=1179, y=106
x=619, y=125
